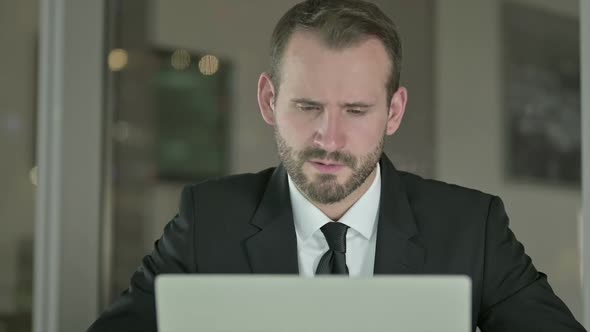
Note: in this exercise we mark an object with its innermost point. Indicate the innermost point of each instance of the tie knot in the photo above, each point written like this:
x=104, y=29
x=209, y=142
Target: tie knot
x=335, y=234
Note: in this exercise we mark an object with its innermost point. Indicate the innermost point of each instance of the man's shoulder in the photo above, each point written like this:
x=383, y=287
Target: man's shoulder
x=417, y=184
x=436, y=193
x=225, y=202
x=245, y=185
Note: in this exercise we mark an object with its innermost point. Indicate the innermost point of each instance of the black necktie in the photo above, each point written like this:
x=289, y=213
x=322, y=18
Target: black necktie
x=334, y=261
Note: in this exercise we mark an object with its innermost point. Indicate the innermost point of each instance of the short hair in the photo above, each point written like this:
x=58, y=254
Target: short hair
x=339, y=24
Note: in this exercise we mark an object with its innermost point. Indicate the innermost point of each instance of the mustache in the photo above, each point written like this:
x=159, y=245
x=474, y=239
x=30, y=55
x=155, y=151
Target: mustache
x=337, y=156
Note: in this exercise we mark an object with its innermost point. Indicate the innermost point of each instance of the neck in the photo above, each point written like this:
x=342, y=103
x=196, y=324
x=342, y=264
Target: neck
x=337, y=210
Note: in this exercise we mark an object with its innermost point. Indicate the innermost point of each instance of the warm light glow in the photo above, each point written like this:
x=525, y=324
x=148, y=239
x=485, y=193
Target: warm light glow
x=209, y=64
x=180, y=60
x=34, y=176
x=117, y=59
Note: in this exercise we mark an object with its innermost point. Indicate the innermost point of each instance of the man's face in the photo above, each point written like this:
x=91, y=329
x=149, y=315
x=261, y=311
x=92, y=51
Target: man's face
x=331, y=115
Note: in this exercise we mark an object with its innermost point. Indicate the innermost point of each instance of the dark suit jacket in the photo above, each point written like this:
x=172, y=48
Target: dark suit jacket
x=244, y=224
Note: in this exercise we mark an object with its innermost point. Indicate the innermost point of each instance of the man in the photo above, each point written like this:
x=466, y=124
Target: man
x=336, y=204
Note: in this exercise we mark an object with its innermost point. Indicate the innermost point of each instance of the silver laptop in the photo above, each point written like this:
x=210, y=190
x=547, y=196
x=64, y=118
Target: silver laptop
x=230, y=303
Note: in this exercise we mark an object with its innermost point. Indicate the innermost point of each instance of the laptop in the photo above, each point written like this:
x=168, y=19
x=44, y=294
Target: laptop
x=239, y=303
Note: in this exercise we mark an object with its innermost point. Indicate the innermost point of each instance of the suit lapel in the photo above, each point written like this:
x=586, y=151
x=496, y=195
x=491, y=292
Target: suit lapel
x=273, y=249
x=398, y=248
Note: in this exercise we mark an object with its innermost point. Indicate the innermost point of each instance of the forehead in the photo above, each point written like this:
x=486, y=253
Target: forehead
x=309, y=66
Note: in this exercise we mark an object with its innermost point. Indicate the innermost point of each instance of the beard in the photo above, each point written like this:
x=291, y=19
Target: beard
x=324, y=188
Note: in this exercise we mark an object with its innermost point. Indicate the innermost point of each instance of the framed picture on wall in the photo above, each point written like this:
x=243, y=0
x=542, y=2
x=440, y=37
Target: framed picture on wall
x=192, y=95
x=541, y=57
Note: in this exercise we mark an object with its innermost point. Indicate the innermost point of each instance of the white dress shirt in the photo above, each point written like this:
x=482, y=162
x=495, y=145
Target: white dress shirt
x=360, y=237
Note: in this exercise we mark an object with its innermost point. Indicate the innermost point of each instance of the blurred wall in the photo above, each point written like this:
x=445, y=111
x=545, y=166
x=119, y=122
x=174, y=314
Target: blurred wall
x=18, y=85
x=470, y=138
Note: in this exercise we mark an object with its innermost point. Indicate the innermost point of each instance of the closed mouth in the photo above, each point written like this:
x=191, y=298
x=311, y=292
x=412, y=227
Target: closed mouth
x=326, y=163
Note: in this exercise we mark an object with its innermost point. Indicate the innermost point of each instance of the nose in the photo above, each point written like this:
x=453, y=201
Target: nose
x=330, y=134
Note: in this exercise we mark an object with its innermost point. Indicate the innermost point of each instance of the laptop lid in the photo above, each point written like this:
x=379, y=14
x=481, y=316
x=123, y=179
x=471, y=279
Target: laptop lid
x=224, y=303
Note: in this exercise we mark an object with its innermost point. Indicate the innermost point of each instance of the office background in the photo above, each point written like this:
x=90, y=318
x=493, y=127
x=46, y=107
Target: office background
x=103, y=104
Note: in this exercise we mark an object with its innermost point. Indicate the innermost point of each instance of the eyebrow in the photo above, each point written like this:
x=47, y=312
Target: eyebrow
x=306, y=101
x=317, y=103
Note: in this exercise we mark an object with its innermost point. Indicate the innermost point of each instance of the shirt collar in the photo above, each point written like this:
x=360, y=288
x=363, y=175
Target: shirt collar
x=361, y=216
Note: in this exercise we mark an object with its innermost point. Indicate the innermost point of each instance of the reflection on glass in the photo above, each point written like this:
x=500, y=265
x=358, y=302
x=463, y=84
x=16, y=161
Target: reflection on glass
x=168, y=126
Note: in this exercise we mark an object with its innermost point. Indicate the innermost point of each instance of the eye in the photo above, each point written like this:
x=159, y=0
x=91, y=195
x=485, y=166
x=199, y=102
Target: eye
x=308, y=108
x=356, y=111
